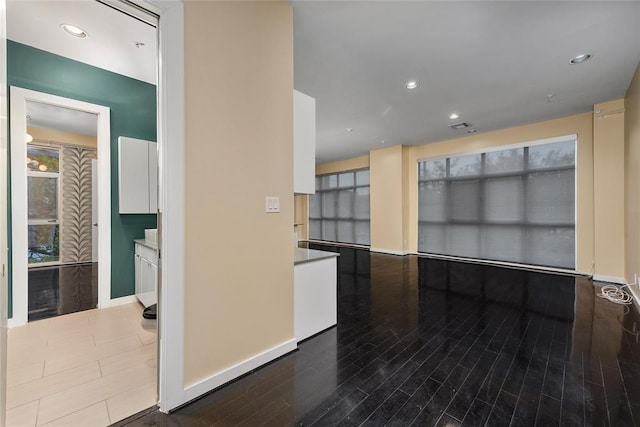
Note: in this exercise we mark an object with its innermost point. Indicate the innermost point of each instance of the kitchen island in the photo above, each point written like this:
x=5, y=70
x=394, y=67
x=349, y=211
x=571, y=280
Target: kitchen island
x=315, y=292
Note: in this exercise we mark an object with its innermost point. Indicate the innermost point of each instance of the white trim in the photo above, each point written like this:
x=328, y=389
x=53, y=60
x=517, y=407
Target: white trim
x=635, y=293
x=609, y=279
x=4, y=267
x=132, y=9
x=171, y=390
x=221, y=378
x=576, y=248
x=504, y=264
x=122, y=301
x=389, y=251
x=19, y=98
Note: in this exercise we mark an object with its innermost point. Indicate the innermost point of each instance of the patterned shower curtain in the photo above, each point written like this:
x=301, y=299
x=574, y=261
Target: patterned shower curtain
x=76, y=227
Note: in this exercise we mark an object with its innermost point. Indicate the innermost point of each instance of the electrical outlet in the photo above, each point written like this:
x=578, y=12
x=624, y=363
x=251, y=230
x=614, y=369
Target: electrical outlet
x=272, y=204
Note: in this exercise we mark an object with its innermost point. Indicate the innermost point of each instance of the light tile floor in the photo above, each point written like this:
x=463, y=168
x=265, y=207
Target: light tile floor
x=91, y=368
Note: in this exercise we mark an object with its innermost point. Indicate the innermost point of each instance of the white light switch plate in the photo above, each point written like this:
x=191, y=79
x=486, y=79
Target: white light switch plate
x=272, y=204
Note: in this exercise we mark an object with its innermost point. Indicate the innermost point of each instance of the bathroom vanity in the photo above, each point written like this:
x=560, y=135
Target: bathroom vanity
x=146, y=268
x=315, y=292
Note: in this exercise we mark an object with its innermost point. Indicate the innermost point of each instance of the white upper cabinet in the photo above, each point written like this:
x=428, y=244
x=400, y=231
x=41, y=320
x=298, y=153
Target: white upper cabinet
x=304, y=143
x=137, y=176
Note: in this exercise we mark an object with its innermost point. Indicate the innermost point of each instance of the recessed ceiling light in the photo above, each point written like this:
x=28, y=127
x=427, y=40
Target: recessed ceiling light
x=412, y=84
x=454, y=116
x=349, y=129
x=74, y=31
x=382, y=141
x=580, y=58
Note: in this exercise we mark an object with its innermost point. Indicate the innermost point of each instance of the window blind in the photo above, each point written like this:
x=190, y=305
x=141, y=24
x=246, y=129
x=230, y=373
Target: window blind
x=339, y=211
x=515, y=205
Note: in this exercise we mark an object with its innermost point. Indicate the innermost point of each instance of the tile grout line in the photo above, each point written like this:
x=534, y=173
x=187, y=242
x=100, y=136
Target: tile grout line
x=38, y=412
x=106, y=404
x=74, y=412
x=139, y=344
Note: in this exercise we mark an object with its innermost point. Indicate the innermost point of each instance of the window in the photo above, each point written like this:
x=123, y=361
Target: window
x=43, y=181
x=515, y=205
x=339, y=211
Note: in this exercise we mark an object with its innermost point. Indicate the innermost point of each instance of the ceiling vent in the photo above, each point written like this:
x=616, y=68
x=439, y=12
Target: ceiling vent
x=461, y=125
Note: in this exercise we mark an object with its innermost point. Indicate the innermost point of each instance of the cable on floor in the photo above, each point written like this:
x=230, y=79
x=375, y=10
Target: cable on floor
x=616, y=294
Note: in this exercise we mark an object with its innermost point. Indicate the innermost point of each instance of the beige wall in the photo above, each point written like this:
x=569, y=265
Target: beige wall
x=238, y=149
x=608, y=182
x=386, y=177
x=343, y=165
x=51, y=135
x=579, y=124
x=632, y=177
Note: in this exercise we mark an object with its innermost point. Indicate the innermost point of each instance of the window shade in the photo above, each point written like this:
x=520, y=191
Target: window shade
x=339, y=211
x=515, y=205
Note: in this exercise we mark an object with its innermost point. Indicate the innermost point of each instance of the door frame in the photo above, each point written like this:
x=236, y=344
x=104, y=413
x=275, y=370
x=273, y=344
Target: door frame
x=172, y=392
x=18, y=108
x=4, y=163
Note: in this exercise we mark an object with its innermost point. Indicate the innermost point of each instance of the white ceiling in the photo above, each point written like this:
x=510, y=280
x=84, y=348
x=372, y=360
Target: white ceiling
x=494, y=63
x=112, y=35
x=49, y=116
x=110, y=45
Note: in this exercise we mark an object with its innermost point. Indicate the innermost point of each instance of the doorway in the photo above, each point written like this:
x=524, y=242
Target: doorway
x=38, y=205
x=93, y=367
x=61, y=214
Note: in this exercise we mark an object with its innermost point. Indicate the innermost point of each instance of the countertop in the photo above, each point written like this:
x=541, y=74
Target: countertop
x=307, y=255
x=143, y=242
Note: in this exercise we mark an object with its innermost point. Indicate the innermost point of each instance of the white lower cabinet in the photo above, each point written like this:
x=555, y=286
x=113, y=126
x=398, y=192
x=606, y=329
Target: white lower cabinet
x=146, y=268
x=315, y=297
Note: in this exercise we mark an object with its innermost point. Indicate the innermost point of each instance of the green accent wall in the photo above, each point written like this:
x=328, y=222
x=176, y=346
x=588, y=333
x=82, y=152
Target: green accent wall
x=133, y=114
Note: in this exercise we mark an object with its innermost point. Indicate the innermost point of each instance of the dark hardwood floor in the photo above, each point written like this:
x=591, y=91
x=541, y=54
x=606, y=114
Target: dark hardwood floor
x=58, y=290
x=427, y=342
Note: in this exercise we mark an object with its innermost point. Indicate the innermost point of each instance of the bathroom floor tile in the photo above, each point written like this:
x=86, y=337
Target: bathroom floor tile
x=95, y=415
x=24, y=416
x=66, y=370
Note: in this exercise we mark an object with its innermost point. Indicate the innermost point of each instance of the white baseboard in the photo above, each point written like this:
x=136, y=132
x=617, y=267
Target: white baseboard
x=121, y=301
x=12, y=323
x=635, y=293
x=609, y=279
x=195, y=390
x=389, y=251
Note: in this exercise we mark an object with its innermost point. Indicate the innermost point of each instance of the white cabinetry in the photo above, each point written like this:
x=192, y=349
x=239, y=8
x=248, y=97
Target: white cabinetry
x=146, y=267
x=315, y=296
x=137, y=175
x=304, y=143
